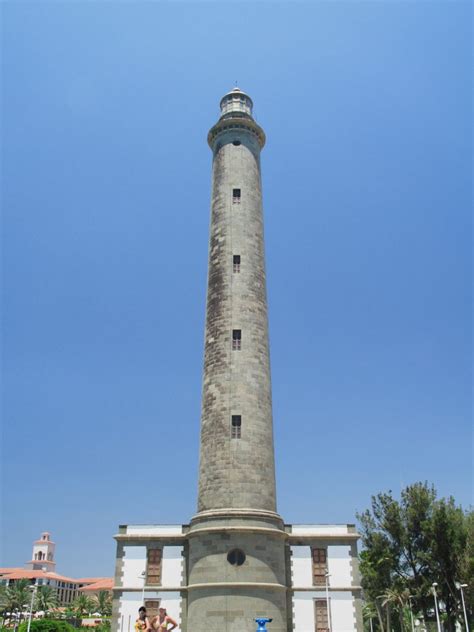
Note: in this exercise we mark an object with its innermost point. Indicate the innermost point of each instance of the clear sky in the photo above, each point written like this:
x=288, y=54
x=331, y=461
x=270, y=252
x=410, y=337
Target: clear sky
x=106, y=189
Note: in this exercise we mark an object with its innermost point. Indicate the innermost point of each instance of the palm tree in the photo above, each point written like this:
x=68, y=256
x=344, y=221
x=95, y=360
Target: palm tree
x=46, y=598
x=369, y=612
x=3, y=604
x=103, y=602
x=83, y=605
x=70, y=612
x=16, y=596
x=398, y=598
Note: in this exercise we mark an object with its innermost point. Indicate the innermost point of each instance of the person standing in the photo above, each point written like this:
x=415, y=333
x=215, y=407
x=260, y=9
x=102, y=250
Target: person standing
x=162, y=620
x=142, y=624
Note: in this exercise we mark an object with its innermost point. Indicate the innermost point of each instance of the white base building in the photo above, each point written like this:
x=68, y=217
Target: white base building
x=161, y=580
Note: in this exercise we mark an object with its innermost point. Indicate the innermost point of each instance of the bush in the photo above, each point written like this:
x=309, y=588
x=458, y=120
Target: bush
x=104, y=626
x=46, y=625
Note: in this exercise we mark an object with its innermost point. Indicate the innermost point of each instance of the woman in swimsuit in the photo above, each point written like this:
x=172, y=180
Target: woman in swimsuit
x=161, y=621
x=142, y=624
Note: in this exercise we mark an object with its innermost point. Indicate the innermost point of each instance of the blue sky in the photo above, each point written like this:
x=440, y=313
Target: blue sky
x=106, y=188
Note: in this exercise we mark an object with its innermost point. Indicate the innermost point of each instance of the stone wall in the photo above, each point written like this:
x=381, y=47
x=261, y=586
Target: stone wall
x=236, y=472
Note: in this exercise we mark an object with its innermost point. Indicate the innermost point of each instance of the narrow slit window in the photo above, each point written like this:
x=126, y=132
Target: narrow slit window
x=236, y=263
x=236, y=339
x=236, y=428
x=235, y=196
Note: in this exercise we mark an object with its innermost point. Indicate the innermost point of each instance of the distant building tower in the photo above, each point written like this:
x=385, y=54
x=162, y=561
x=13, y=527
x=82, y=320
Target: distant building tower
x=237, y=560
x=43, y=554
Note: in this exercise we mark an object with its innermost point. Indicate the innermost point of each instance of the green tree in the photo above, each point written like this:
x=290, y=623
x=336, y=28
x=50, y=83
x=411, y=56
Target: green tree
x=466, y=572
x=103, y=603
x=448, y=540
x=377, y=563
x=104, y=626
x=46, y=599
x=396, y=598
x=83, y=605
x=17, y=596
x=369, y=612
x=3, y=604
x=69, y=612
x=409, y=544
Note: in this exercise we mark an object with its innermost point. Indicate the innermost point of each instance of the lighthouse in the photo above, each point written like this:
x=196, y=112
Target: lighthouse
x=237, y=560
x=236, y=540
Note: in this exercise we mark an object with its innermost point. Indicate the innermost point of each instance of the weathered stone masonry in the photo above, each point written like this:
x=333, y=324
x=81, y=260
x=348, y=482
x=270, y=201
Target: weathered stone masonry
x=236, y=382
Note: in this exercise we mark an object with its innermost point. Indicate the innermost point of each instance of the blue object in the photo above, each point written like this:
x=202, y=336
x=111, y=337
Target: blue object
x=261, y=624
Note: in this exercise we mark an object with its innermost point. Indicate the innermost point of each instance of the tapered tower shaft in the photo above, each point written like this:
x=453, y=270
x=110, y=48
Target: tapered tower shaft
x=236, y=556
x=236, y=453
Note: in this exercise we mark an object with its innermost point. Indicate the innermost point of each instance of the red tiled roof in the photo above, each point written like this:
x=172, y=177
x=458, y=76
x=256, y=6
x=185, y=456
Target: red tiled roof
x=91, y=583
x=52, y=575
x=104, y=584
x=89, y=580
x=18, y=573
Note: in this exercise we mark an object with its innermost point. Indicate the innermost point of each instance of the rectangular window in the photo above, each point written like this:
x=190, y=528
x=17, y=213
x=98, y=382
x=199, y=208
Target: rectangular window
x=321, y=615
x=319, y=566
x=153, y=567
x=151, y=606
x=236, y=431
x=236, y=339
x=236, y=263
x=235, y=196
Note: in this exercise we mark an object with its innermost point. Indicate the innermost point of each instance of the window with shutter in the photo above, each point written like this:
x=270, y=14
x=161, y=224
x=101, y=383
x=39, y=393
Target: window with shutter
x=152, y=606
x=321, y=615
x=153, y=568
x=319, y=566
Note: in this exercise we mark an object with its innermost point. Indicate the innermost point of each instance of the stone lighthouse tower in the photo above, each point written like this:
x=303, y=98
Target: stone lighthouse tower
x=236, y=540
x=236, y=560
